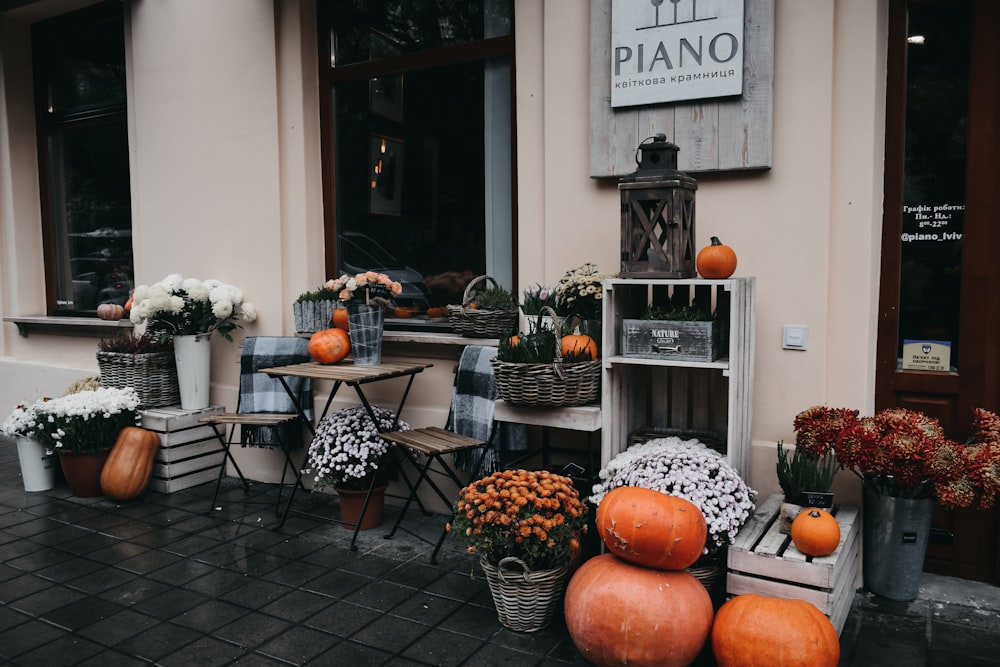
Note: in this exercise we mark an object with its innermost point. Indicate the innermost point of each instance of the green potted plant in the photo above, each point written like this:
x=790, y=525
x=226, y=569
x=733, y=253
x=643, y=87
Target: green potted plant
x=313, y=309
x=806, y=476
x=675, y=330
x=805, y=481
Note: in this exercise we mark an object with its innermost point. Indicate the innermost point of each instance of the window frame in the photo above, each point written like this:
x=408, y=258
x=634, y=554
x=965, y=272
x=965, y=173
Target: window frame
x=49, y=128
x=329, y=76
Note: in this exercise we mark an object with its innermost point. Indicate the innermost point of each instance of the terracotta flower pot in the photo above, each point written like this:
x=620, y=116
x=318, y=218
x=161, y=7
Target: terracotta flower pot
x=351, y=503
x=83, y=472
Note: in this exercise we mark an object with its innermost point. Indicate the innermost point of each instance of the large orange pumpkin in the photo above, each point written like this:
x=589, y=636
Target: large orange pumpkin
x=339, y=319
x=579, y=346
x=618, y=613
x=760, y=631
x=815, y=532
x=328, y=346
x=651, y=528
x=716, y=260
x=129, y=466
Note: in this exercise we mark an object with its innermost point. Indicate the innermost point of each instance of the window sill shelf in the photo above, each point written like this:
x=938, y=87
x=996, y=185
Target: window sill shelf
x=73, y=326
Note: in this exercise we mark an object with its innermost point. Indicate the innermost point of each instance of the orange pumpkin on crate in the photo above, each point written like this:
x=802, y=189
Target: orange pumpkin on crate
x=328, y=346
x=716, y=261
x=815, y=532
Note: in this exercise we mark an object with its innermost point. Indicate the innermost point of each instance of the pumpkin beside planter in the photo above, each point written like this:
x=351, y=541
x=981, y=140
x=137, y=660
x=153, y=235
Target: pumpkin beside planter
x=129, y=466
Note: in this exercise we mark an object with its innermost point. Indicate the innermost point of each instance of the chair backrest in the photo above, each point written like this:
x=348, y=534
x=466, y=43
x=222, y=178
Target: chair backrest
x=262, y=393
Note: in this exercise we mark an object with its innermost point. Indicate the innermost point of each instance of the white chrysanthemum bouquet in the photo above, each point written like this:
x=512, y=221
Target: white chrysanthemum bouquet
x=347, y=448
x=178, y=306
x=687, y=469
x=87, y=421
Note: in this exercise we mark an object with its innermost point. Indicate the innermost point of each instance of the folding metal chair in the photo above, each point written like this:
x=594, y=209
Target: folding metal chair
x=471, y=413
x=266, y=415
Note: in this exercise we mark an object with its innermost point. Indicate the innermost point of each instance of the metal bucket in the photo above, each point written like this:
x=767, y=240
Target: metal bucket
x=895, y=543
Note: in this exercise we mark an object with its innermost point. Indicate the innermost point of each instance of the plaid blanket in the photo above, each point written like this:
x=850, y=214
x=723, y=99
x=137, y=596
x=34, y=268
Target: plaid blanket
x=260, y=393
x=472, y=412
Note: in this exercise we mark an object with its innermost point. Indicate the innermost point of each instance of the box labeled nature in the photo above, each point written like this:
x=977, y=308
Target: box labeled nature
x=671, y=340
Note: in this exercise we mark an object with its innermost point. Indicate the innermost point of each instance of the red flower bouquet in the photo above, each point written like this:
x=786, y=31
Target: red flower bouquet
x=905, y=454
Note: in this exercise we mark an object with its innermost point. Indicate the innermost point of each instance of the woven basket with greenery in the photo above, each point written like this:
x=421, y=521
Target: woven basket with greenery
x=533, y=371
x=489, y=312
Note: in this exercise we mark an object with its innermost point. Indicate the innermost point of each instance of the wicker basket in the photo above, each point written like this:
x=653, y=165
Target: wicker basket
x=480, y=323
x=152, y=375
x=707, y=573
x=556, y=385
x=526, y=600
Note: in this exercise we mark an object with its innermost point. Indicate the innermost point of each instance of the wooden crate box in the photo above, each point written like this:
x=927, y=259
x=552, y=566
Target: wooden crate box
x=189, y=454
x=763, y=560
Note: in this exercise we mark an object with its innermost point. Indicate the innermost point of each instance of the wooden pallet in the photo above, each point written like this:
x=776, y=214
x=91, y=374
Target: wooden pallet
x=762, y=560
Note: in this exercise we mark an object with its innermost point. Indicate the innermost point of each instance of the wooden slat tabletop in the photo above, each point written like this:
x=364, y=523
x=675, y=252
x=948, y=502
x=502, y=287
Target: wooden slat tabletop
x=349, y=373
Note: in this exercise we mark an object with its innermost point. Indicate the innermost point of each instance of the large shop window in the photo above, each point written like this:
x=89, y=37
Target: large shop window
x=79, y=66
x=419, y=157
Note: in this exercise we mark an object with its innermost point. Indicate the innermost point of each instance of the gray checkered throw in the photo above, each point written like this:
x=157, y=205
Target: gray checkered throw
x=472, y=412
x=261, y=393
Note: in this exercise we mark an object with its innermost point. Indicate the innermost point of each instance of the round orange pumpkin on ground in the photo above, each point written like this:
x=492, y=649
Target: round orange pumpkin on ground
x=618, y=613
x=760, y=631
x=716, y=261
x=815, y=532
x=339, y=319
x=651, y=528
x=329, y=346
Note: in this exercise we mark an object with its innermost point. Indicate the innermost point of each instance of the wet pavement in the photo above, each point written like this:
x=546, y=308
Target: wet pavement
x=164, y=580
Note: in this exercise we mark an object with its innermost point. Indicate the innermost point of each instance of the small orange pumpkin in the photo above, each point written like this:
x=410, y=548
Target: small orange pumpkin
x=761, y=631
x=651, y=528
x=110, y=311
x=329, y=346
x=579, y=346
x=129, y=466
x=339, y=319
x=815, y=532
x=716, y=261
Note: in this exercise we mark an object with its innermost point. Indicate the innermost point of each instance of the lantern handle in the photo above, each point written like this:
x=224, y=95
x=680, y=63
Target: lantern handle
x=658, y=137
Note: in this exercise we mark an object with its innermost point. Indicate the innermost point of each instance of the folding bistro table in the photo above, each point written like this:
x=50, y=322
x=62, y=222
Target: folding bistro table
x=356, y=376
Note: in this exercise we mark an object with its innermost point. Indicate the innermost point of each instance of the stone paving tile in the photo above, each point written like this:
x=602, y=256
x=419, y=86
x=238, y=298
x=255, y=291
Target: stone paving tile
x=162, y=578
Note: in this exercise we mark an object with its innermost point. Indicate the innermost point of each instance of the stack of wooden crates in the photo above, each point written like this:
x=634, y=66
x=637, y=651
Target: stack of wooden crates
x=762, y=560
x=189, y=454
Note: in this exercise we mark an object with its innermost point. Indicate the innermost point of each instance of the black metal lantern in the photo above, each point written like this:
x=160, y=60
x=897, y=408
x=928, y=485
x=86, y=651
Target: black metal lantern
x=657, y=215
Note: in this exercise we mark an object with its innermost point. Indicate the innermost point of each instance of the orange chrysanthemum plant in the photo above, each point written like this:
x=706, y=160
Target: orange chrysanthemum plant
x=535, y=516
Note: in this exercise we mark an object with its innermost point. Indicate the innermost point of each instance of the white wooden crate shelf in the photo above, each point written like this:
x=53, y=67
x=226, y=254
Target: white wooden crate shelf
x=668, y=394
x=762, y=560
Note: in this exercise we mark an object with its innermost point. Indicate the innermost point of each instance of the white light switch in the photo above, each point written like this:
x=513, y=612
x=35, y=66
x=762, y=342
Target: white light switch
x=795, y=337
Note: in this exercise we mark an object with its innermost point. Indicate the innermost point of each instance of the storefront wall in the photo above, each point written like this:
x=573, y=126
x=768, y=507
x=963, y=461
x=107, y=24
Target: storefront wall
x=226, y=183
